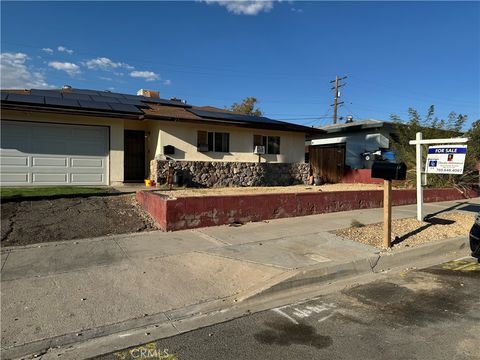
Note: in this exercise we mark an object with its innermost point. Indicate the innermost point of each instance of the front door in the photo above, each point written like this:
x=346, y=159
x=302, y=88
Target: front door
x=134, y=156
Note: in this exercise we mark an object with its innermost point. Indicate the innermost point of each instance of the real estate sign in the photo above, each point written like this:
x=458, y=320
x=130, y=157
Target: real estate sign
x=446, y=159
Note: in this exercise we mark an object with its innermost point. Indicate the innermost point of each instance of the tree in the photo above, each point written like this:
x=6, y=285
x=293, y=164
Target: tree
x=474, y=140
x=247, y=107
x=432, y=127
x=473, y=152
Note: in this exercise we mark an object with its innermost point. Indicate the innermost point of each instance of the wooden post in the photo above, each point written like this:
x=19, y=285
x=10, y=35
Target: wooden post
x=387, y=214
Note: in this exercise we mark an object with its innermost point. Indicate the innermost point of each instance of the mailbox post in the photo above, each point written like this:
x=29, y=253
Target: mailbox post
x=387, y=214
x=388, y=171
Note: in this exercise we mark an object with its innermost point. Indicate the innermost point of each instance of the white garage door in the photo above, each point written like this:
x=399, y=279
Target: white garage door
x=53, y=154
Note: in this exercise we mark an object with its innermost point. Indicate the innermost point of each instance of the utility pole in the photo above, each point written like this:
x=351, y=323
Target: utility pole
x=336, y=103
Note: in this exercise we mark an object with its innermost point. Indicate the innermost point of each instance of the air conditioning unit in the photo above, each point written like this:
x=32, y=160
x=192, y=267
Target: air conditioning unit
x=202, y=147
x=259, y=150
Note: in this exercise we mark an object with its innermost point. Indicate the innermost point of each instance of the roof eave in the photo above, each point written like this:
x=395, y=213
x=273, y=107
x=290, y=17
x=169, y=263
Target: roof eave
x=289, y=127
x=43, y=109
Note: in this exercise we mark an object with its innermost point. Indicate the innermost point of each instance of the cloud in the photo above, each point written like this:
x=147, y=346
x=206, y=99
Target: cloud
x=16, y=75
x=297, y=10
x=244, y=7
x=104, y=63
x=64, y=49
x=70, y=68
x=167, y=82
x=48, y=50
x=147, y=75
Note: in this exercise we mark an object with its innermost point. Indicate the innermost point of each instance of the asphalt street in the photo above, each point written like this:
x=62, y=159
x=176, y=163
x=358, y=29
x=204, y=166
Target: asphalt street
x=419, y=314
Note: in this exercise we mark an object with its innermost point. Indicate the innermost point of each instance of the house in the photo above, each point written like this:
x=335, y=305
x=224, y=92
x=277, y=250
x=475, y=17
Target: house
x=86, y=137
x=344, y=144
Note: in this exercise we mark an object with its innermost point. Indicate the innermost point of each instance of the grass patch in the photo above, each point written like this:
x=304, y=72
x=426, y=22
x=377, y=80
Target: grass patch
x=10, y=193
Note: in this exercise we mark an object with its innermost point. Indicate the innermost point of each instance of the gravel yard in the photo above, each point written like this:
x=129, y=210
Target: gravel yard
x=30, y=222
x=184, y=192
x=411, y=232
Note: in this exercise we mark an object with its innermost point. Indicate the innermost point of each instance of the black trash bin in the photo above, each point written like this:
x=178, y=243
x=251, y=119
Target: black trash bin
x=178, y=178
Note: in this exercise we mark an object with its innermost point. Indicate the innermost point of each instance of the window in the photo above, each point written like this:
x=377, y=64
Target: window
x=271, y=143
x=213, y=141
x=273, y=146
x=222, y=142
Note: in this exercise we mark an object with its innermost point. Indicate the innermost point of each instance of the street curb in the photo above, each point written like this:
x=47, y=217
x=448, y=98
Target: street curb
x=134, y=332
x=382, y=262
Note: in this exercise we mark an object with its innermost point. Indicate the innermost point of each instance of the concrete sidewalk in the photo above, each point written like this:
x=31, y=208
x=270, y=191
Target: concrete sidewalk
x=58, y=293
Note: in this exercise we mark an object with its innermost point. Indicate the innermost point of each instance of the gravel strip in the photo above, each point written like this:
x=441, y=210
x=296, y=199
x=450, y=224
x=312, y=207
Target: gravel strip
x=267, y=190
x=411, y=232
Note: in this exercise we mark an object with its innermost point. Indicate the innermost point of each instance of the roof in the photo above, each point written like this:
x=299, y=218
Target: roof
x=105, y=103
x=355, y=126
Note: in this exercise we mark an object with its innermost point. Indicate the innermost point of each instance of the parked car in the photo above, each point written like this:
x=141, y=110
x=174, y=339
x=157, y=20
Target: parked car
x=475, y=238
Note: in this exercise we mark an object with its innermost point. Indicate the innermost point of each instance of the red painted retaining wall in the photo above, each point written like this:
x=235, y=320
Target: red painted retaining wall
x=201, y=211
x=362, y=176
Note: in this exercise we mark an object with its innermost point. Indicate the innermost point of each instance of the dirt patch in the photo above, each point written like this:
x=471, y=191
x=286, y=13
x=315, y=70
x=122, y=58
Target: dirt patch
x=30, y=222
x=184, y=192
x=411, y=232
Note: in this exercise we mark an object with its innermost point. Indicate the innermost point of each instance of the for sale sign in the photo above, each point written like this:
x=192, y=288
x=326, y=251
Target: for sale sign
x=446, y=159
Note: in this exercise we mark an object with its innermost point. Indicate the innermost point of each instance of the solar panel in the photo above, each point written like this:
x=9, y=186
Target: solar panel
x=164, y=102
x=26, y=99
x=83, y=92
x=130, y=96
x=125, y=108
x=4, y=96
x=234, y=117
x=135, y=102
x=76, y=96
x=94, y=105
x=50, y=93
x=104, y=99
x=111, y=95
x=53, y=101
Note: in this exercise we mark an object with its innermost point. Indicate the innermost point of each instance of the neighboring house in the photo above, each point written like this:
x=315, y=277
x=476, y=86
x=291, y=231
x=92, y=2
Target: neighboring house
x=344, y=144
x=358, y=137
x=87, y=137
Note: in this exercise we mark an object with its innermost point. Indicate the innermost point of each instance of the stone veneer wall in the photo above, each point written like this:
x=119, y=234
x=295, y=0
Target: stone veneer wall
x=224, y=174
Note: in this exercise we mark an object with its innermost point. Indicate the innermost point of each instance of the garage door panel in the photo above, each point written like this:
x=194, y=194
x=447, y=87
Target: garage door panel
x=14, y=178
x=49, y=161
x=53, y=154
x=87, y=163
x=50, y=178
x=13, y=160
x=87, y=178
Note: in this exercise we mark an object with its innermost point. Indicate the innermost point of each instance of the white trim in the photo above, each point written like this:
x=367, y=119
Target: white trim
x=335, y=140
x=439, y=141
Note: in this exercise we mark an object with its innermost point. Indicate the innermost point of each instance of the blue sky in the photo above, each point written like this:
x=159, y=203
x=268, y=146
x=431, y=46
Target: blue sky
x=396, y=54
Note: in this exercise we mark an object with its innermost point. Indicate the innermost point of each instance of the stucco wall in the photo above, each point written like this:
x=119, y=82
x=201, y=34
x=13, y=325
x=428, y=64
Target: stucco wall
x=116, y=127
x=184, y=138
